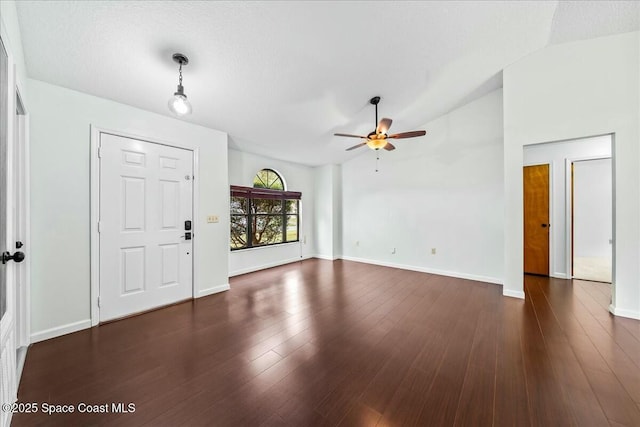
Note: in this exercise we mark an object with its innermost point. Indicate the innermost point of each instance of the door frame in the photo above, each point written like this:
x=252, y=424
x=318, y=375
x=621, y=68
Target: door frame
x=96, y=132
x=550, y=214
x=569, y=210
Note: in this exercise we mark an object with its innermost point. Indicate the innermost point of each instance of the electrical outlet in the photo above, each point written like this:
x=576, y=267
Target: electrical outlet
x=213, y=218
x=433, y=251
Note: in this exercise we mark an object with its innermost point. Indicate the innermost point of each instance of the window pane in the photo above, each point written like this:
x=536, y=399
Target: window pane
x=266, y=206
x=238, y=231
x=275, y=183
x=292, y=206
x=239, y=205
x=292, y=228
x=267, y=178
x=267, y=229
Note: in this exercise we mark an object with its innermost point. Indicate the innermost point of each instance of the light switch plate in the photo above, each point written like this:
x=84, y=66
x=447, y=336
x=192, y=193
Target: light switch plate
x=213, y=218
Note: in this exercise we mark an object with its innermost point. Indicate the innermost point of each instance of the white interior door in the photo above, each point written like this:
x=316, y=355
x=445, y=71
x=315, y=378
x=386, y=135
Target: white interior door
x=8, y=381
x=21, y=230
x=146, y=193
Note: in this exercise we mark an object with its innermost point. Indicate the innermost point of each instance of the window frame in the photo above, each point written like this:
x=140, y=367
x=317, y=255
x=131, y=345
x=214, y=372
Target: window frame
x=253, y=193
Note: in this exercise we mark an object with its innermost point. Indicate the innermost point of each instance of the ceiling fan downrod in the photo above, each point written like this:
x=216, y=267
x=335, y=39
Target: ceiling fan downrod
x=375, y=100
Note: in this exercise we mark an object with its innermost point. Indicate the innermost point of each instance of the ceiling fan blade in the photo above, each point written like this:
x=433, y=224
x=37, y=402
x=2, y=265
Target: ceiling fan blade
x=411, y=134
x=356, y=146
x=384, y=125
x=389, y=147
x=349, y=135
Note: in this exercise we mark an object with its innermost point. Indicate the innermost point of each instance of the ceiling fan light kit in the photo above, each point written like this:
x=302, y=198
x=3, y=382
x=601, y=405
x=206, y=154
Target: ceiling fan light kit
x=178, y=103
x=378, y=138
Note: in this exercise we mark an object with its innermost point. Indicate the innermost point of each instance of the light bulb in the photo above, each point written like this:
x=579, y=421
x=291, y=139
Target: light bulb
x=179, y=105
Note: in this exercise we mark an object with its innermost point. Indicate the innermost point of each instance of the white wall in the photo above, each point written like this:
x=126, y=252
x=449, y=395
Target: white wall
x=592, y=217
x=556, y=154
x=60, y=228
x=328, y=214
x=443, y=191
x=567, y=91
x=242, y=168
x=337, y=211
x=323, y=227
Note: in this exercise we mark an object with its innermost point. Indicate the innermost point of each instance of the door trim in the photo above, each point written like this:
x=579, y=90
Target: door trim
x=95, y=209
x=550, y=214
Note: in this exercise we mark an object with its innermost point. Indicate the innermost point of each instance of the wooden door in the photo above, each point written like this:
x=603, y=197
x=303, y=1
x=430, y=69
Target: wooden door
x=536, y=219
x=145, y=242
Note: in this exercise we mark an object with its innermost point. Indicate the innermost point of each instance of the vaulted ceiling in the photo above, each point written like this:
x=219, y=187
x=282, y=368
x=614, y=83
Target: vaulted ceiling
x=282, y=77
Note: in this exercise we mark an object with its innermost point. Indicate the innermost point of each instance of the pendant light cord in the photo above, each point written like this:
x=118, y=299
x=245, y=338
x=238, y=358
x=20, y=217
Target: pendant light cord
x=180, y=71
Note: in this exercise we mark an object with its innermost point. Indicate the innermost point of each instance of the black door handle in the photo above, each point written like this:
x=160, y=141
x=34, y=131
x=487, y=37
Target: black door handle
x=545, y=225
x=17, y=257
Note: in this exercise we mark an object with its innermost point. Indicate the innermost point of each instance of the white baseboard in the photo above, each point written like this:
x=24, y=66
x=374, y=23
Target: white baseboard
x=447, y=273
x=213, y=290
x=631, y=314
x=559, y=276
x=512, y=294
x=328, y=258
x=60, y=330
x=268, y=265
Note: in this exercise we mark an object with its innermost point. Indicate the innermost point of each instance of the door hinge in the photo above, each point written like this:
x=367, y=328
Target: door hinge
x=99, y=226
x=99, y=152
x=98, y=302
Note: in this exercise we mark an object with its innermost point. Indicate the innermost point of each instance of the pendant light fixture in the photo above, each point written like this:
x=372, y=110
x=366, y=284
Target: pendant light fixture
x=179, y=104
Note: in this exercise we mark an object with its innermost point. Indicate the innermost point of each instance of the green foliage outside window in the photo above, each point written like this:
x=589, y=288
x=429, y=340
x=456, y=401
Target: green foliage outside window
x=260, y=222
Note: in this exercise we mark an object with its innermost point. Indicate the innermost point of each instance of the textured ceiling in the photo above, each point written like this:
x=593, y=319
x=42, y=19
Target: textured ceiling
x=282, y=77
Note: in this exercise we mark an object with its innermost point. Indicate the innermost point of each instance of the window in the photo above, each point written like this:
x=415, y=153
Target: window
x=268, y=178
x=264, y=214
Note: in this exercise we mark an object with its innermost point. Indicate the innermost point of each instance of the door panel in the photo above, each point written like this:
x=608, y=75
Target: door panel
x=4, y=165
x=536, y=219
x=145, y=197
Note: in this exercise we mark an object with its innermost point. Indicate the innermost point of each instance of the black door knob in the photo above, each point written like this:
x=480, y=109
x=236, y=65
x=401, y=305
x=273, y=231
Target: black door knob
x=17, y=257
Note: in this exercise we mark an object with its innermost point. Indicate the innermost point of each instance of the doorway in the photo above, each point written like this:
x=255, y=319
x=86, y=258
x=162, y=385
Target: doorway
x=592, y=219
x=536, y=219
x=145, y=225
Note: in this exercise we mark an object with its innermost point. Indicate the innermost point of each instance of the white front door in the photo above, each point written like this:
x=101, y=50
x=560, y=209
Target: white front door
x=146, y=193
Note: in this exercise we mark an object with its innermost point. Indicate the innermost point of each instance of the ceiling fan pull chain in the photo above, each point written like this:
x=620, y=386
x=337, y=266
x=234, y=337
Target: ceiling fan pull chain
x=377, y=159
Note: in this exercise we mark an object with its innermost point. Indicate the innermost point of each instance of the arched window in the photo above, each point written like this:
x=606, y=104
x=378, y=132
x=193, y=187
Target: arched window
x=268, y=178
x=265, y=214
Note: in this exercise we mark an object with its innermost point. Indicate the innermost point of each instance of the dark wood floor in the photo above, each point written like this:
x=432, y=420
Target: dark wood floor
x=344, y=343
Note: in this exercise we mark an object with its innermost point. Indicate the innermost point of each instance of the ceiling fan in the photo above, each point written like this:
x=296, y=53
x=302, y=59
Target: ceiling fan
x=378, y=138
